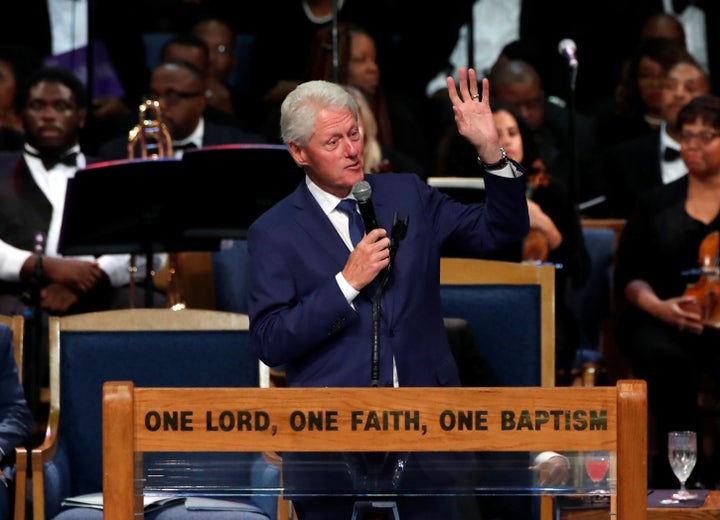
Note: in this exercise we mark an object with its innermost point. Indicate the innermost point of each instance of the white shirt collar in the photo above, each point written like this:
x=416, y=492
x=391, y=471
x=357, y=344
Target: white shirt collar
x=672, y=170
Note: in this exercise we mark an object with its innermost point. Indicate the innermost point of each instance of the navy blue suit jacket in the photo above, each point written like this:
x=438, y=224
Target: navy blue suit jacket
x=299, y=317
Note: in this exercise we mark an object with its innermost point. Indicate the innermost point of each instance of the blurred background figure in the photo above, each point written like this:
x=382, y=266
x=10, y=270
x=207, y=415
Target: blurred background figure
x=16, y=63
x=377, y=157
x=637, y=164
x=660, y=328
x=220, y=40
x=516, y=83
x=636, y=107
x=191, y=49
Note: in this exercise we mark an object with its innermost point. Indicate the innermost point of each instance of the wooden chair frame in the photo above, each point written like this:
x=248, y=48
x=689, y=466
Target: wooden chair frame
x=126, y=437
x=464, y=271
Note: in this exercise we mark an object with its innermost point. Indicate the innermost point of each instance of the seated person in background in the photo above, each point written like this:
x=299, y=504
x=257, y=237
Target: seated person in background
x=16, y=421
x=516, y=83
x=555, y=230
x=636, y=108
x=180, y=88
x=15, y=65
x=661, y=329
x=219, y=37
x=193, y=49
x=377, y=157
x=635, y=165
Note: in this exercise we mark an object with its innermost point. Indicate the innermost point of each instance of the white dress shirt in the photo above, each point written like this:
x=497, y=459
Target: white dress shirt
x=496, y=23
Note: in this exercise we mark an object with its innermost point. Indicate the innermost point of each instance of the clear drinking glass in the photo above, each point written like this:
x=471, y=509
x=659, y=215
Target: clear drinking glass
x=682, y=454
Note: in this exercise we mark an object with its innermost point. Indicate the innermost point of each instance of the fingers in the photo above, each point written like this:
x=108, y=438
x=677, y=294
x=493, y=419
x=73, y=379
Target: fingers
x=485, y=91
x=468, y=87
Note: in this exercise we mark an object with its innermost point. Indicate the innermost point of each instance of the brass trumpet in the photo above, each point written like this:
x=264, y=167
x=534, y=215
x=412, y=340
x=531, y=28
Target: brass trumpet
x=151, y=139
x=150, y=136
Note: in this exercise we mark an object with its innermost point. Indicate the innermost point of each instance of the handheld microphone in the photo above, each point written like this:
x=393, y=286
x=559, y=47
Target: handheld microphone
x=567, y=50
x=362, y=191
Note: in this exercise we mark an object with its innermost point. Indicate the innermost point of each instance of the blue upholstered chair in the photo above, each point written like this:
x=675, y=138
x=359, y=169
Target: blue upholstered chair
x=229, y=266
x=595, y=303
x=510, y=309
x=151, y=347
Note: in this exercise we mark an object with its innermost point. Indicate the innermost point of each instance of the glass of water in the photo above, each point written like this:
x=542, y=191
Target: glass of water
x=682, y=454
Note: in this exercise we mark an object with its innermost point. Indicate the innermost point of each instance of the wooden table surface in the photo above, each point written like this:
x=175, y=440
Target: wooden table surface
x=710, y=510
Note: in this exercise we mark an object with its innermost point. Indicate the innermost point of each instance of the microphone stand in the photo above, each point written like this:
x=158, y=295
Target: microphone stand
x=373, y=462
x=399, y=230
x=34, y=329
x=572, y=177
x=335, y=44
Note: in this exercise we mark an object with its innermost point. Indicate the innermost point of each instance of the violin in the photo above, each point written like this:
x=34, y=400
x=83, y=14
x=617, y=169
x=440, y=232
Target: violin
x=706, y=291
x=535, y=245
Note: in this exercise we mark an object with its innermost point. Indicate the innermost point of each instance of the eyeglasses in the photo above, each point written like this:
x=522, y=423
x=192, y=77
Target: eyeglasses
x=703, y=137
x=172, y=96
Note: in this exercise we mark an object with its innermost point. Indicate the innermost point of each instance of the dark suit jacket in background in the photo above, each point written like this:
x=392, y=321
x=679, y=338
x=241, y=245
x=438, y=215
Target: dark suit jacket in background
x=631, y=167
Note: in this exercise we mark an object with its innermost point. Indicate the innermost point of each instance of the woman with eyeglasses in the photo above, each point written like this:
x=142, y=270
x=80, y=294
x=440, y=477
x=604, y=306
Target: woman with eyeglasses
x=660, y=329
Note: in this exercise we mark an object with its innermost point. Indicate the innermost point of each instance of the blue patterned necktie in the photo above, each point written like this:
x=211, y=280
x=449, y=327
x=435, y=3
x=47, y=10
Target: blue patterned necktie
x=357, y=228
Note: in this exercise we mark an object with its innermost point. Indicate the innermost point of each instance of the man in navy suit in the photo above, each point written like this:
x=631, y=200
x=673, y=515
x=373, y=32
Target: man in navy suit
x=311, y=291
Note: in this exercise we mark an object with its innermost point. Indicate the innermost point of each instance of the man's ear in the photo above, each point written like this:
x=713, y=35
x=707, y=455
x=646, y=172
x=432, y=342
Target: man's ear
x=298, y=154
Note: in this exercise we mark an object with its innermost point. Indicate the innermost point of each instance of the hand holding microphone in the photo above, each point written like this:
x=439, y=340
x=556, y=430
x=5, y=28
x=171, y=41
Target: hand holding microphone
x=362, y=191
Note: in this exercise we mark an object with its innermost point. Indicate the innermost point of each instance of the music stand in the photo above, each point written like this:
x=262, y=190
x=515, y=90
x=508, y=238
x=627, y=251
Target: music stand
x=239, y=183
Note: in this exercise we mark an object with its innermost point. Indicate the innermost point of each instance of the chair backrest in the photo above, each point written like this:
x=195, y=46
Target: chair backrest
x=151, y=347
x=596, y=303
x=17, y=324
x=510, y=309
x=613, y=419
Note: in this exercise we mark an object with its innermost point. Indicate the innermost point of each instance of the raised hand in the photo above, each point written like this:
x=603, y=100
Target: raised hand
x=473, y=116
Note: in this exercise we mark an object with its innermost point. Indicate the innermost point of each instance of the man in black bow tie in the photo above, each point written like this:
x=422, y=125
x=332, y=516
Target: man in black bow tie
x=653, y=159
x=32, y=200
